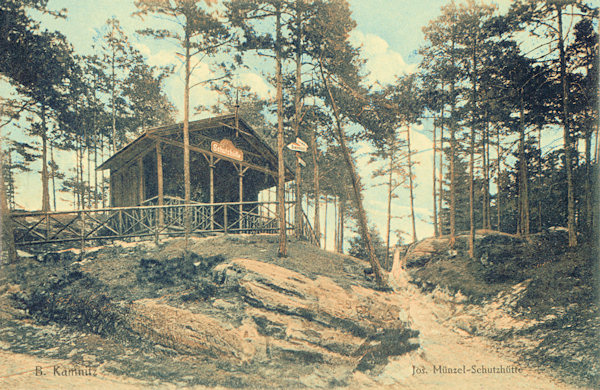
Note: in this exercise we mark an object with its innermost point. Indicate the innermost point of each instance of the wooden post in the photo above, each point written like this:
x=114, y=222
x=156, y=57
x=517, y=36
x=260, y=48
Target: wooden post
x=47, y=226
x=241, y=193
x=111, y=201
x=225, y=206
x=82, y=217
x=212, y=192
x=159, y=174
x=141, y=181
x=325, y=224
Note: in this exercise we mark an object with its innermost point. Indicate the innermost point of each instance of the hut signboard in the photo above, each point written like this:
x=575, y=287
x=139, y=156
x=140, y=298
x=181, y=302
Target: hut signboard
x=226, y=148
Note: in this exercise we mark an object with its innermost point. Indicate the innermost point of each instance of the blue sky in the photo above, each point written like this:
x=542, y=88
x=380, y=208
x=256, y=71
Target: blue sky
x=389, y=31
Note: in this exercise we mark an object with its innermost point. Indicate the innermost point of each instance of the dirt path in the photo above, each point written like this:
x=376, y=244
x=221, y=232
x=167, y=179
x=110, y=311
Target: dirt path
x=454, y=350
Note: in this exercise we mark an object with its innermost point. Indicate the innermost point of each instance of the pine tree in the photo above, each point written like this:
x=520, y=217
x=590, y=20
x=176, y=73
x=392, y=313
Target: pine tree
x=196, y=31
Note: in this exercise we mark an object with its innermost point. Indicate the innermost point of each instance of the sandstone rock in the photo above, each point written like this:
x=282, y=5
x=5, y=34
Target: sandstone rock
x=187, y=331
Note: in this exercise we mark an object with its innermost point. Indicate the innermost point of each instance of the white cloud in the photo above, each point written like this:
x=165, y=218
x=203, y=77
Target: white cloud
x=162, y=57
x=256, y=84
x=383, y=63
x=144, y=49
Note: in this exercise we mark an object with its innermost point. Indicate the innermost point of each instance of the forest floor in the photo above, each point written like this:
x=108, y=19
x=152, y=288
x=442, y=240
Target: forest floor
x=234, y=315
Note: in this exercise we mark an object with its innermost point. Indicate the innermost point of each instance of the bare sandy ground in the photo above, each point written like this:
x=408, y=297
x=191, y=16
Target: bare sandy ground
x=440, y=345
x=454, y=349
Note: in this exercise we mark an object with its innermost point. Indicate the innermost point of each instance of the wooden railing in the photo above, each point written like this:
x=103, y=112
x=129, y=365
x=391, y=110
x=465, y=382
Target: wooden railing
x=96, y=225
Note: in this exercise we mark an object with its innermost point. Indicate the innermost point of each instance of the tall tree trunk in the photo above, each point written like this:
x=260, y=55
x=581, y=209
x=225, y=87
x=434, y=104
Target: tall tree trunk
x=45, y=194
x=389, y=207
x=297, y=112
x=89, y=166
x=9, y=188
x=102, y=178
x=8, y=252
x=282, y=251
x=342, y=213
x=566, y=132
x=95, y=168
x=53, y=175
x=539, y=180
x=452, y=158
x=486, y=192
x=436, y=231
x=498, y=184
x=325, y=223
x=410, y=186
x=356, y=187
x=588, y=182
x=186, y=135
x=113, y=101
x=76, y=191
x=316, y=187
x=472, y=155
x=484, y=170
x=441, y=169
x=523, y=191
x=80, y=178
x=335, y=225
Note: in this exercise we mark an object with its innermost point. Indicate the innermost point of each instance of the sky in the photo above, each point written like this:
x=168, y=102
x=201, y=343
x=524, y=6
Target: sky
x=389, y=31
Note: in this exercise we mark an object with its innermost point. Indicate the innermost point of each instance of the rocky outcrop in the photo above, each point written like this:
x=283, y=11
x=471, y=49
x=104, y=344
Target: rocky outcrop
x=188, y=332
x=314, y=319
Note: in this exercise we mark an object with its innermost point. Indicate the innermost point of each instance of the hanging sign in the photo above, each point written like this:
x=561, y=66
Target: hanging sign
x=226, y=148
x=297, y=147
x=301, y=143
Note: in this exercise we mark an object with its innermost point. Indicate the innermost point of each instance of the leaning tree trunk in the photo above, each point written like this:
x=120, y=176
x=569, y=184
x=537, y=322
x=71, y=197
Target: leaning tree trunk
x=356, y=187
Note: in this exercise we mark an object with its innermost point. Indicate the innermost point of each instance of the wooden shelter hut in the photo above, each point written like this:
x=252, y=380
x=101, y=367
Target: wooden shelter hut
x=229, y=162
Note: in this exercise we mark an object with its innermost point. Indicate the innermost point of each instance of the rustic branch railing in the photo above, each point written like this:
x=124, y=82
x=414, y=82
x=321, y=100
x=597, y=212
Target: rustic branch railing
x=95, y=225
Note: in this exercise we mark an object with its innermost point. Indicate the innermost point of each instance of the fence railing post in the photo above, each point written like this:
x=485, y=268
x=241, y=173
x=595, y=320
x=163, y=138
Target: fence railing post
x=157, y=223
x=225, y=223
x=47, y=226
x=120, y=220
x=82, y=217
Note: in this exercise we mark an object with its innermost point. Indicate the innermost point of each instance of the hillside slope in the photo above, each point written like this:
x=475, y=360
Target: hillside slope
x=230, y=314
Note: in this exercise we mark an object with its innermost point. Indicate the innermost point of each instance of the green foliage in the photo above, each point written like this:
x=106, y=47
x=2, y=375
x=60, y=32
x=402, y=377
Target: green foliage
x=358, y=248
